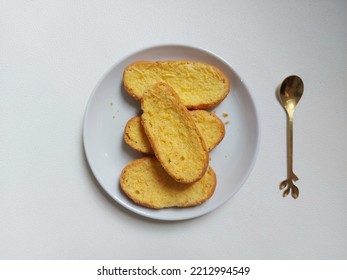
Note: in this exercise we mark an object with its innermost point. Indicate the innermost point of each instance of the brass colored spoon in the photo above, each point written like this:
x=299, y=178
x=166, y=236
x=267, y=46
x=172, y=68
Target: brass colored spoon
x=290, y=93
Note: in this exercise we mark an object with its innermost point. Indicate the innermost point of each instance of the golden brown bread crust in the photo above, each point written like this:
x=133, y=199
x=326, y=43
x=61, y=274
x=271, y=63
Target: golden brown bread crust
x=146, y=183
x=211, y=128
x=199, y=85
x=173, y=135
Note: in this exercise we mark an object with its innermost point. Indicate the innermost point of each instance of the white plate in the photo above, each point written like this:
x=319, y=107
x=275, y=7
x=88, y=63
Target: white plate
x=110, y=107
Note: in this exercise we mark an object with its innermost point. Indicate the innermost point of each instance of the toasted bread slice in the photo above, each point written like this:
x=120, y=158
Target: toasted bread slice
x=210, y=126
x=146, y=183
x=135, y=136
x=173, y=135
x=199, y=85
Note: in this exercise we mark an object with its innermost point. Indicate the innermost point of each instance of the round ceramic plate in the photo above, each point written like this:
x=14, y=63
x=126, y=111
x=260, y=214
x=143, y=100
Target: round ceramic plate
x=110, y=107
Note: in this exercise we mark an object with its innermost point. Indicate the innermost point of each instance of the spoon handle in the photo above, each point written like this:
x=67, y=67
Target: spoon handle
x=290, y=145
x=291, y=176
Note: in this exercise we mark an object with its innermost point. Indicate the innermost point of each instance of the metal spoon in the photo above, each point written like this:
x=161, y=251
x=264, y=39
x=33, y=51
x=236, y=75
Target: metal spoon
x=291, y=90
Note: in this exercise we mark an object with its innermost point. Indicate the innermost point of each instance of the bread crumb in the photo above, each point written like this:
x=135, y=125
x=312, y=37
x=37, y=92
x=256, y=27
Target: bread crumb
x=225, y=115
x=227, y=122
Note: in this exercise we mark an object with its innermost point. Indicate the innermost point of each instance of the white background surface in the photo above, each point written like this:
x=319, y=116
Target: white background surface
x=53, y=53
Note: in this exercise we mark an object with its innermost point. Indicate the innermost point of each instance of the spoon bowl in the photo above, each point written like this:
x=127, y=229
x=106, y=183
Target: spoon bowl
x=291, y=90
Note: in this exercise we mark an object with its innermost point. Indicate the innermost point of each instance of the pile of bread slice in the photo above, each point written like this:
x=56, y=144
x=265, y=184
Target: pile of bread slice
x=175, y=132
